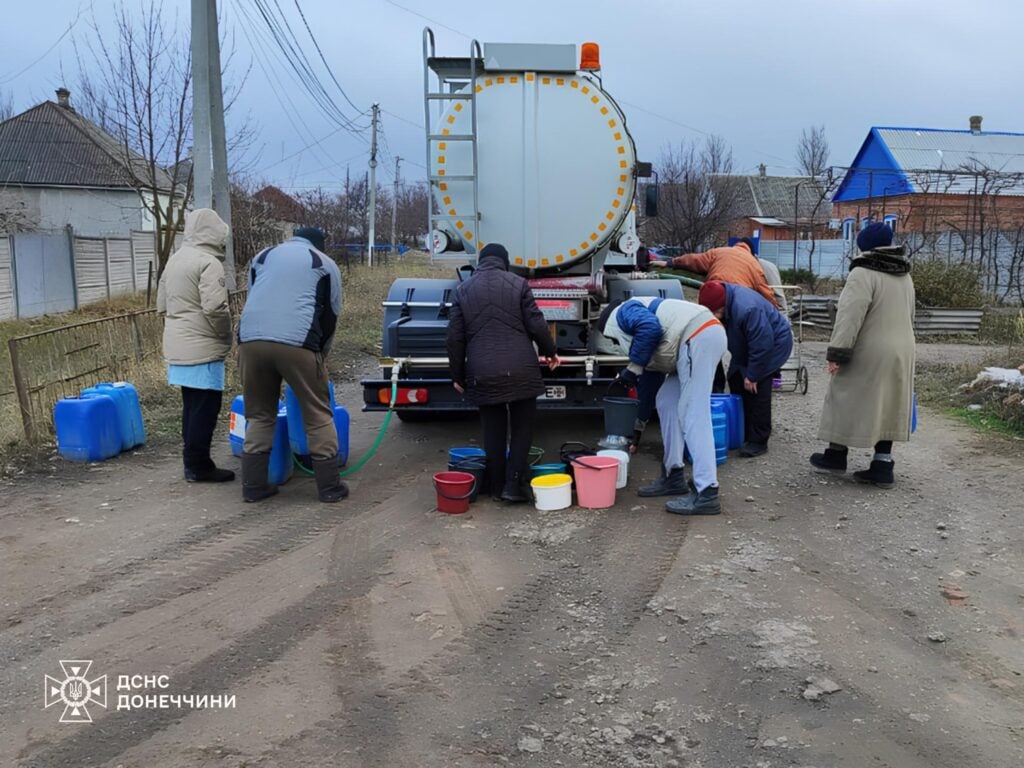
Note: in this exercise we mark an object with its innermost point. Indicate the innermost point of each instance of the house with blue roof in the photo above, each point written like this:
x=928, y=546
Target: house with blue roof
x=928, y=180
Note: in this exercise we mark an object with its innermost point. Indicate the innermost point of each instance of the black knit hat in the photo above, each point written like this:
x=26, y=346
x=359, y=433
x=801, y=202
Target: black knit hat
x=495, y=250
x=315, y=235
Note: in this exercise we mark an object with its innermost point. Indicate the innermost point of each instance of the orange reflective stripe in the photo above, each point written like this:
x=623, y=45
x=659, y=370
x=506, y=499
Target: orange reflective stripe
x=708, y=324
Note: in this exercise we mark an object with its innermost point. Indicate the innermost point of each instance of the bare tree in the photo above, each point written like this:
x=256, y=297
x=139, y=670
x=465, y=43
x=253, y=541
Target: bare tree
x=697, y=196
x=812, y=151
x=136, y=84
x=253, y=225
x=6, y=106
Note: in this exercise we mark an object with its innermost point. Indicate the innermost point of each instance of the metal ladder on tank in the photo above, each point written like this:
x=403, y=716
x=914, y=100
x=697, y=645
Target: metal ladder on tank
x=456, y=80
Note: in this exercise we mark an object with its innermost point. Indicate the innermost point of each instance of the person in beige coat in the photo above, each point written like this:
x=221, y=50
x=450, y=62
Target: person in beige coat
x=197, y=337
x=871, y=360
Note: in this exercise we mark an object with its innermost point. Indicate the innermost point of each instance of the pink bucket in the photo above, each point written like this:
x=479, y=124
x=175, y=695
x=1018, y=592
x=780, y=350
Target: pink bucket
x=595, y=481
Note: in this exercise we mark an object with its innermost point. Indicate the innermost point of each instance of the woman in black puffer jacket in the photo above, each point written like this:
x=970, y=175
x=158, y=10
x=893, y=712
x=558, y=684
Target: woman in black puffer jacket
x=493, y=325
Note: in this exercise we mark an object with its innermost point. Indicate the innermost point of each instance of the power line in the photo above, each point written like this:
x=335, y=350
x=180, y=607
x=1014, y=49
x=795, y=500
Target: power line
x=427, y=18
x=326, y=65
x=65, y=33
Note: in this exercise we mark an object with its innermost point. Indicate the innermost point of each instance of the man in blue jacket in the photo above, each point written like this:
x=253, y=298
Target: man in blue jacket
x=286, y=330
x=760, y=342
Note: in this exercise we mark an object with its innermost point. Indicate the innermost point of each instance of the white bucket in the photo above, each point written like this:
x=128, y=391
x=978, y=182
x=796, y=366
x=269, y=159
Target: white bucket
x=623, y=457
x=552, y=492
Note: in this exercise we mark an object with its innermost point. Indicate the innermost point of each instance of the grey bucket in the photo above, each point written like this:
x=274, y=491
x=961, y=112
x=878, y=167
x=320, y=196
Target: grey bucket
x=620, y=415
x=474, y=465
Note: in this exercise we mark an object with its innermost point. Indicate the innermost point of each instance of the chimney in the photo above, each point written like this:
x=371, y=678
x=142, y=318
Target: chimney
x=975, y=123
x=64, y=97
x=762, y=170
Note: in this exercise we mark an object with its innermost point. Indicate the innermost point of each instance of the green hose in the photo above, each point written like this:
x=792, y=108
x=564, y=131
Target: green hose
x=373, y=448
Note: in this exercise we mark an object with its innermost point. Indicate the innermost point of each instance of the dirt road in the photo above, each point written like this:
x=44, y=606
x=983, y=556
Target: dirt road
x=380, y=633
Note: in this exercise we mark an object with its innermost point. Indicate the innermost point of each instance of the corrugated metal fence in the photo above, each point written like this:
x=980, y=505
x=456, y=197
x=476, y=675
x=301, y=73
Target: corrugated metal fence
x=102, y=267
x=820, y=312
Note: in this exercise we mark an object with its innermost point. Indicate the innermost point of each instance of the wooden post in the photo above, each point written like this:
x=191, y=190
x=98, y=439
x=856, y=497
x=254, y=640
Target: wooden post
x=136, y=337
x=149, y=282
x=22, y=390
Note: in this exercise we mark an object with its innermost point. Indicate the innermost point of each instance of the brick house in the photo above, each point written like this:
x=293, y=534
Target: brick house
x=925, y=181
x=768, y=207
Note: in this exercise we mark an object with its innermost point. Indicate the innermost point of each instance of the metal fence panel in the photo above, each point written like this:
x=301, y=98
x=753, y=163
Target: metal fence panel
x=8, y=309
x=90, y=269
x=43, y=277
x=119, y=265
x=827, y=258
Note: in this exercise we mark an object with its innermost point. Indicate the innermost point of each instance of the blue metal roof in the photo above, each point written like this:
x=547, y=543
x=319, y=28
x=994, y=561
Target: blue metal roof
x=894, y=161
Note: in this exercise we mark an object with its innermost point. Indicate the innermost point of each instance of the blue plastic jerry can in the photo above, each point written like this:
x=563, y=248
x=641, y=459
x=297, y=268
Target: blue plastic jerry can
x=280, y=454
x=236, y=425
x=87, y=427
x=297, y=430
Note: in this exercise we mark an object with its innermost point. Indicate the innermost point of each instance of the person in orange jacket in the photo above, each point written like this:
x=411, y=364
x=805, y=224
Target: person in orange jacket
x=734, y=264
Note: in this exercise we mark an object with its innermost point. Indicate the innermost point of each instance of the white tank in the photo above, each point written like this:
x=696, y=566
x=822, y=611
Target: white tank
x=557, y=165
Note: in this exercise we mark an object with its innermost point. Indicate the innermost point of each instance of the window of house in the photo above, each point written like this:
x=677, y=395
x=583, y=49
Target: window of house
x=848, y=228
x=865, y=221
x=890, y=221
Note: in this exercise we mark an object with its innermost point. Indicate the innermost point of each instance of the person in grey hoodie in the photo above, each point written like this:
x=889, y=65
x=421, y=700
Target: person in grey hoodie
x=285, y=334
x=197, y=337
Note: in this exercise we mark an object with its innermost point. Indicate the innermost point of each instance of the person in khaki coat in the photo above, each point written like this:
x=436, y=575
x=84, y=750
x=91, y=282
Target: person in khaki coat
x=197, y=337
x=871, y=360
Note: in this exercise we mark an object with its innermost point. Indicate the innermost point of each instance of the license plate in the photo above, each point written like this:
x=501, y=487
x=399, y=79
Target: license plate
x=553, y=393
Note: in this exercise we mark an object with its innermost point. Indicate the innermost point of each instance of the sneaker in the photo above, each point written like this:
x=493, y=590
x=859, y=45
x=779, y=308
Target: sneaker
x=214, y=475
x=704, y=503
x=829, y=461
x=671, y=484
x=750, y=450
x=880, y=474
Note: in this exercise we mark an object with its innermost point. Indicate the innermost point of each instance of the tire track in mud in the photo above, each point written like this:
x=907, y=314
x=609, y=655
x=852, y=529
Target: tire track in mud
x=471, y=698
x=350, y=578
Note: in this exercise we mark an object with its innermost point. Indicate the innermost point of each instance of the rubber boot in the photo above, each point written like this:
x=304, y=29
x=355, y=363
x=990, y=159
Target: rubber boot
x=255, y=469
x=516, y=490
x=829, y=461
x=329, y=487
x=671, y=484
x=880, y=474
x=704, y=503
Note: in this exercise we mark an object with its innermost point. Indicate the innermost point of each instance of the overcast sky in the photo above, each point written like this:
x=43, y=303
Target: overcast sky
x=751, y=71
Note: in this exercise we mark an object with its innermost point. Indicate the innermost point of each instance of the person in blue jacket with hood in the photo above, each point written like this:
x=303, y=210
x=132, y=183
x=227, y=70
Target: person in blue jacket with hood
x=760, y=342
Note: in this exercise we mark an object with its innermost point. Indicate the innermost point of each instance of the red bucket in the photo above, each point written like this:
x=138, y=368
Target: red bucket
x=453, y=491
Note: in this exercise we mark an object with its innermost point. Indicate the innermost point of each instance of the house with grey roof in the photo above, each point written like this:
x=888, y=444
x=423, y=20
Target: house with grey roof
x=59, y=170
x=774, y=207
x=924, y=181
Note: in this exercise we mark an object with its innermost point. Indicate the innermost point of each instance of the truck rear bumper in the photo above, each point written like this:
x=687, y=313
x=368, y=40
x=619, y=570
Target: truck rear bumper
x=437, y=395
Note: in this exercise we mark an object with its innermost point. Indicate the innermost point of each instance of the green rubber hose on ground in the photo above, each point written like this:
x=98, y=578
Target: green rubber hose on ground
x=373, y=448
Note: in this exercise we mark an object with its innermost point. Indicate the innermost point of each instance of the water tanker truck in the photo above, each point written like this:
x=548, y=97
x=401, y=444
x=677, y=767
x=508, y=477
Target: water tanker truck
x=527, y=149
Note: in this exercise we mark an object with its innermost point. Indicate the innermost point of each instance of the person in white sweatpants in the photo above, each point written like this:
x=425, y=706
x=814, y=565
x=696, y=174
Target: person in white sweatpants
x=685, y=341
x=684, y=407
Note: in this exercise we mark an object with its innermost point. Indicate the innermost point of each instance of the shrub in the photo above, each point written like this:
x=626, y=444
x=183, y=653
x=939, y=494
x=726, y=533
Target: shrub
x=804, y=277
x=948, y=285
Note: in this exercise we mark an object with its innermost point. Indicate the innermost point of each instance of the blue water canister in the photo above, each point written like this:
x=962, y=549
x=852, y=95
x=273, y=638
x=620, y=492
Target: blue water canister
x=122, y=414
x=913, y=413
x=720, y=429
x=297, y=430
x=280, y=454
x=236, y=425
x=735, y=421
x=87, y=427
x=130, y=398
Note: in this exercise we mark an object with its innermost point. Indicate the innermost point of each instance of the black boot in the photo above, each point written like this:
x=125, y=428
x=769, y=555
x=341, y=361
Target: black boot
x=704, y=503
x=880, y=474
x=671, y=484
x=329, y=486
x=829, y=461
x=210, y=474
x=516, y=490
x=255, y=470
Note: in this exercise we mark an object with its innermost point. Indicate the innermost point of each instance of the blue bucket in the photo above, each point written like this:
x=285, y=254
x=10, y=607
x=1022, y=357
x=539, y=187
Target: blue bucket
x=455, y=455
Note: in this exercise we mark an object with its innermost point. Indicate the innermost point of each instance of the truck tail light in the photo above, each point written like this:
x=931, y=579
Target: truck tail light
x=406, y=396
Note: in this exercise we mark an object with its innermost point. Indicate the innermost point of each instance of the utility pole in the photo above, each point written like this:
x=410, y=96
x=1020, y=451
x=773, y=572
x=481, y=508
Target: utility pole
x=373, y=184
x=394, y=208
x=210, y=156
